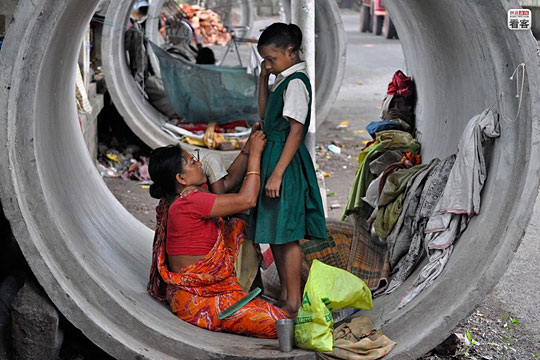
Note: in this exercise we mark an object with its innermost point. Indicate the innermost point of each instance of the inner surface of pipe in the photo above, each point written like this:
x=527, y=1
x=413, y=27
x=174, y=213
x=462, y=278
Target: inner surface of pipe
x=92, y=257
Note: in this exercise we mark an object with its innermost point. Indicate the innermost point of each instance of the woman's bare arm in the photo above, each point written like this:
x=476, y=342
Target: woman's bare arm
x=246, y=198
x=236, y=171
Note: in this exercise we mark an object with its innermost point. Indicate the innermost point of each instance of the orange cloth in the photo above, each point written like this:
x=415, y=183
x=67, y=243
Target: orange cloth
x=200, y=291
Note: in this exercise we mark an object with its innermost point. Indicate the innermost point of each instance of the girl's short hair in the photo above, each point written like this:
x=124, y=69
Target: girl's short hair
x=165, y=163
x=282, y=36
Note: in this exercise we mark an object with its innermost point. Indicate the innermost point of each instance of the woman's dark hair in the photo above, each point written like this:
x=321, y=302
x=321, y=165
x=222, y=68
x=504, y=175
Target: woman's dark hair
x=205, y=56
x=165, y=163
x=282, y=36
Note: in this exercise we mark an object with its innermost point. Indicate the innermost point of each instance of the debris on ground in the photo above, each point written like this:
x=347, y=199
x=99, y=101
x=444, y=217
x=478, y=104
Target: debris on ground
x=113, y=163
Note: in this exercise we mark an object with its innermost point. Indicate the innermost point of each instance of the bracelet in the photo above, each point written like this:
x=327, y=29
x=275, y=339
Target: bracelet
x=253, y=172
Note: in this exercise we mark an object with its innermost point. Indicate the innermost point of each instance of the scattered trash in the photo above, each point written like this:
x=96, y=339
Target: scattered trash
x=335, y=149
x=112, y=163
x=360, y=82
x=344, y=166
x=326, y=174
x=331, y=194
x=113, y=157
x=343, y=124
x=335, y=206
x=359, y=131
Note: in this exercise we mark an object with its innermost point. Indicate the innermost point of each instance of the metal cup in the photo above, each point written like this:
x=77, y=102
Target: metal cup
x=285, y=333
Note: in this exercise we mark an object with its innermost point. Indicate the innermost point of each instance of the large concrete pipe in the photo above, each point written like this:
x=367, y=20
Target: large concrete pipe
x=146, y=121
x=92, y=257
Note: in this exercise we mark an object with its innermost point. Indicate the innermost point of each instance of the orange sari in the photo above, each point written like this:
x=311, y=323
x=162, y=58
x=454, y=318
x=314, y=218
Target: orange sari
x=202, y=290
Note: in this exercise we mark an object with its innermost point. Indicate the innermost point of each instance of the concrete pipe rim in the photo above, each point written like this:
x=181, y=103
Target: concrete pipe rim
x=62, y=214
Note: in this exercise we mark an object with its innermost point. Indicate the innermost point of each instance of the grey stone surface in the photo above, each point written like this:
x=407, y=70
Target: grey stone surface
x=89, y=124
x=7, y=9
x=8, y=290
x=35, y=325
x=92, y=256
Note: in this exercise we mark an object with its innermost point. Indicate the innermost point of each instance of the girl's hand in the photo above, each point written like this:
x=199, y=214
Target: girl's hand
x=264, y=72
x=273, y=185
x=257, y=143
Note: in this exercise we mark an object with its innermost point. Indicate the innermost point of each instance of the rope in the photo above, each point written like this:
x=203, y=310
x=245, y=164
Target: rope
x=519, y=88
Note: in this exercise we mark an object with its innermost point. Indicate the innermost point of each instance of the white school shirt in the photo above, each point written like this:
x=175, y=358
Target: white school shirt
x=296, y=96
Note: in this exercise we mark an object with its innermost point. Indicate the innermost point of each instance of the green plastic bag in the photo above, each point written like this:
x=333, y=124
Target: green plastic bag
x=327, y=289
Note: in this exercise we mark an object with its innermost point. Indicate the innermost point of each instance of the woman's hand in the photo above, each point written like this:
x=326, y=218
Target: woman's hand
x=273, y=185
x=257, y=126
x=189, y=189
x=257, y=143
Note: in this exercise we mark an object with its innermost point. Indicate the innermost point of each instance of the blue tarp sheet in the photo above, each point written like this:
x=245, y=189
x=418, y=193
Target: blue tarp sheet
x=208, y=93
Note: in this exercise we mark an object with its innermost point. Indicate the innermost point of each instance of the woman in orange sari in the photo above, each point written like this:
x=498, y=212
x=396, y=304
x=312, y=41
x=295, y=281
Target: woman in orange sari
x=194, y=249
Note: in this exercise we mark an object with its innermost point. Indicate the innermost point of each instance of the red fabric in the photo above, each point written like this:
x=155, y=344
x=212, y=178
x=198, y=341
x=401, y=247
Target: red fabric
x=191, y=229
x=401, y=85
x=268, y=258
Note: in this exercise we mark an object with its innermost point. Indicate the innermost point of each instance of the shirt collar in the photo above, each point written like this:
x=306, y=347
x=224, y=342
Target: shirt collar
x=301, y=66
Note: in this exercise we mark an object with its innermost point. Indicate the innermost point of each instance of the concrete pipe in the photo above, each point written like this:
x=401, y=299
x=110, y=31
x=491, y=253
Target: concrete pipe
x=92, y=257
x=146, y=121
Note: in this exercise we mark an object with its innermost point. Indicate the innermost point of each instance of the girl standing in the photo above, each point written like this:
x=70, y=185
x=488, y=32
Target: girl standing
x=289, y=207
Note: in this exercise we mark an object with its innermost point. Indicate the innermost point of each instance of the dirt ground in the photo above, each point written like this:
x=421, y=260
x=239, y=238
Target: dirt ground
x=491, y=332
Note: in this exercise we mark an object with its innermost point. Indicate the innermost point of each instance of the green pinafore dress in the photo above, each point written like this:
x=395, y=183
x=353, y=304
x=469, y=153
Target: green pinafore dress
x=298, y=212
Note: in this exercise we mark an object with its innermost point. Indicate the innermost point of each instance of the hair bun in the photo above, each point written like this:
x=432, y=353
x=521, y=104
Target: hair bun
x=156, y=191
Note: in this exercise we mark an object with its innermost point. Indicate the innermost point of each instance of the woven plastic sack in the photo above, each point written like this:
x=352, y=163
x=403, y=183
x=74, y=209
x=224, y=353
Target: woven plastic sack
x=208, y=93
x=327, y=289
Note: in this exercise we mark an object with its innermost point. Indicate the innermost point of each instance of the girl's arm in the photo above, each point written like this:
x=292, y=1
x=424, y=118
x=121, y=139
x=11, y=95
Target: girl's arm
x=263, y=90
x=246, y=198
x=294, y=139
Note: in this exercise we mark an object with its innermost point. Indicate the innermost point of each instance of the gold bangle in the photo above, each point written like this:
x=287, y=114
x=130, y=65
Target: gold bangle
x=253, y=172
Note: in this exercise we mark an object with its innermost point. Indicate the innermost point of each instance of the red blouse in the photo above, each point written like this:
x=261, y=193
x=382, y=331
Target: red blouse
x=190, y=229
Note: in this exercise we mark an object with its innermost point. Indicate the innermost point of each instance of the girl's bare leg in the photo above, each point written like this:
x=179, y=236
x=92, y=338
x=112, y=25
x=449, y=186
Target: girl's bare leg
x=277, y=252
x=289, y=267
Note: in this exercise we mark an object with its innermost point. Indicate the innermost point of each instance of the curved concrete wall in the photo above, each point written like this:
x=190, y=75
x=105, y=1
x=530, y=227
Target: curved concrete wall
x=92, y=257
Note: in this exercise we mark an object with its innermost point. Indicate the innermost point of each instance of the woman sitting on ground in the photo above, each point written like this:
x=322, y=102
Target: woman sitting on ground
x=194, y=249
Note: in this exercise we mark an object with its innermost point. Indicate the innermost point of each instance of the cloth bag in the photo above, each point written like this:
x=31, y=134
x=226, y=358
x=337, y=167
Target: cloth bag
x=359, y=340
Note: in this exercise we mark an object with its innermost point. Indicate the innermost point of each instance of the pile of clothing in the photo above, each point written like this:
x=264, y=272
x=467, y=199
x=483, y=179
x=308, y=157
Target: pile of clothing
x=412, y=208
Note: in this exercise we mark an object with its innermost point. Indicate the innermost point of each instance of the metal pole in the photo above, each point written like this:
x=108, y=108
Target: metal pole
x=303, y=14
